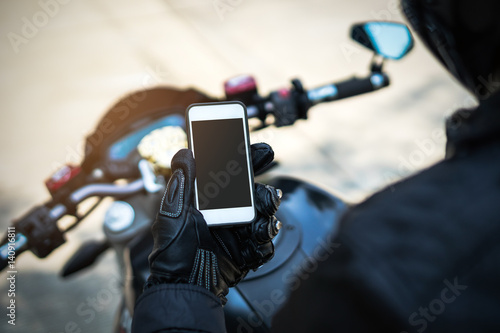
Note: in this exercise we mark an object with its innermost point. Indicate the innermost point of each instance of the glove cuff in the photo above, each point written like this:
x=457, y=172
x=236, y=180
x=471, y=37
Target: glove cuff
x=205, y=273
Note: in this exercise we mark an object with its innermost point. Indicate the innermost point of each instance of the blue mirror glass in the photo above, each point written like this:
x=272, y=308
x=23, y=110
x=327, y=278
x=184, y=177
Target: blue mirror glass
x=388, y=39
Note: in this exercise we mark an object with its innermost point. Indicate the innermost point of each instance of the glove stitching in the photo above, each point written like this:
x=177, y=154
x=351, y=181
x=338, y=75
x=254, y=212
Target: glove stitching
x=206, y=272
x=238, y=236
x=215, y=267
x=208, y=277
x=271, y=190
x=221, y=242
x=201, y=272
x=195, y=267
x=205, y=268
x=181, y=196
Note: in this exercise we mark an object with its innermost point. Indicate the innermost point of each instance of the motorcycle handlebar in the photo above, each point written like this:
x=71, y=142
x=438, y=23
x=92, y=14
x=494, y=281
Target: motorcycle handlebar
x=327, y=93
x=301, y=99
x=16, y=242
x=104, y=190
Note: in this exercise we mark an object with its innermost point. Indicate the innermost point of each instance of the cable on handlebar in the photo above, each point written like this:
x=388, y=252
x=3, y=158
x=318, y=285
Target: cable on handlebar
x=84, y=216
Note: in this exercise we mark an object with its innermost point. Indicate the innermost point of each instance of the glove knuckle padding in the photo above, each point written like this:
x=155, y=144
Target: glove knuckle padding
x=262, y=230
x=267, y=199
x=256, y=255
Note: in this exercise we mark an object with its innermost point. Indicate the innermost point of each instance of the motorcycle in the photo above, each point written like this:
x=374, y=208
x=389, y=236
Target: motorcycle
x=127, y=158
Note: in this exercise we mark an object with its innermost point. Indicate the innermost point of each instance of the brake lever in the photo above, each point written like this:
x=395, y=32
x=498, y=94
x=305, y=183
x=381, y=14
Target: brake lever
x=149, y=178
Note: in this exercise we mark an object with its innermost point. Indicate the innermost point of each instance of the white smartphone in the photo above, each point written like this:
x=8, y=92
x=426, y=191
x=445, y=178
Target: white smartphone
x=218, y=136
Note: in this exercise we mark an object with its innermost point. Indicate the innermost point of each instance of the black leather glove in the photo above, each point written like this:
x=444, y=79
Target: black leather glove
x=186, y=250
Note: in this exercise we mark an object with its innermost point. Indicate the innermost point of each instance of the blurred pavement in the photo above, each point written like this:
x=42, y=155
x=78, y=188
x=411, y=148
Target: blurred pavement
x=63, y=63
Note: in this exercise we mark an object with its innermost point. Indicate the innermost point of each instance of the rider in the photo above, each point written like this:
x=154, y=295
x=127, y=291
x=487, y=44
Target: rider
x=421, y=256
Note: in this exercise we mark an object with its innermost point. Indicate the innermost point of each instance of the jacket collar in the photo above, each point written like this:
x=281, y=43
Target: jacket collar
x=467, y=129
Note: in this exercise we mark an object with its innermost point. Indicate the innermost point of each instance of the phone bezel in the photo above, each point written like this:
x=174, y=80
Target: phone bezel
x=218, y=111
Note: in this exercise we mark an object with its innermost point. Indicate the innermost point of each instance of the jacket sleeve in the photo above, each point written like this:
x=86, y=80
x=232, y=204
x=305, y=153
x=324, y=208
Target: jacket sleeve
x=178, y=308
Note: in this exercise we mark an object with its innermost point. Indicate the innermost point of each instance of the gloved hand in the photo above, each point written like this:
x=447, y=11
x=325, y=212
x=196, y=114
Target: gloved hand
x=187, y=251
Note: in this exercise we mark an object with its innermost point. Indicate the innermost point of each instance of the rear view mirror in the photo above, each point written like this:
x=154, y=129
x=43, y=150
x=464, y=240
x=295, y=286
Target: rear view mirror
x=387, y=39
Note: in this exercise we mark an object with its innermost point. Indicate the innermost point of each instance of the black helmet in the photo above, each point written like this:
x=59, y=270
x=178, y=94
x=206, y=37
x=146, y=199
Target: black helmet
x=464, y=35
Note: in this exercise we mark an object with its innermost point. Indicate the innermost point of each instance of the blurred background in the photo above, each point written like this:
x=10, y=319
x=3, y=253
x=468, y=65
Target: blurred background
x=64, y=62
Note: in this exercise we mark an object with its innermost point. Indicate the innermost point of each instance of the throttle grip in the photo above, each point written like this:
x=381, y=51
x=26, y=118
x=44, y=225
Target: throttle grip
x=348, y=88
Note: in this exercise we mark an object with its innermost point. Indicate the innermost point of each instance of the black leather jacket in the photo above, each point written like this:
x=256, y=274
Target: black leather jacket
x=421, y=255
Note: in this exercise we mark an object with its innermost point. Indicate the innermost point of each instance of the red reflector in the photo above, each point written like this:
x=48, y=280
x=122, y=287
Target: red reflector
x=239, y=84
x=61, y=177
x=284, y=93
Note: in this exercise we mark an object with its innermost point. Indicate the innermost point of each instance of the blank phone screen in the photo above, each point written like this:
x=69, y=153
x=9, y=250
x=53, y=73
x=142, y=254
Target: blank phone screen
x=221, y=164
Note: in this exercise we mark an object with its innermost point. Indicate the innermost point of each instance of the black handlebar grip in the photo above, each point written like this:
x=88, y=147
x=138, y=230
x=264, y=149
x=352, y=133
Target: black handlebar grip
x=357, y=86
x=348, y=88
